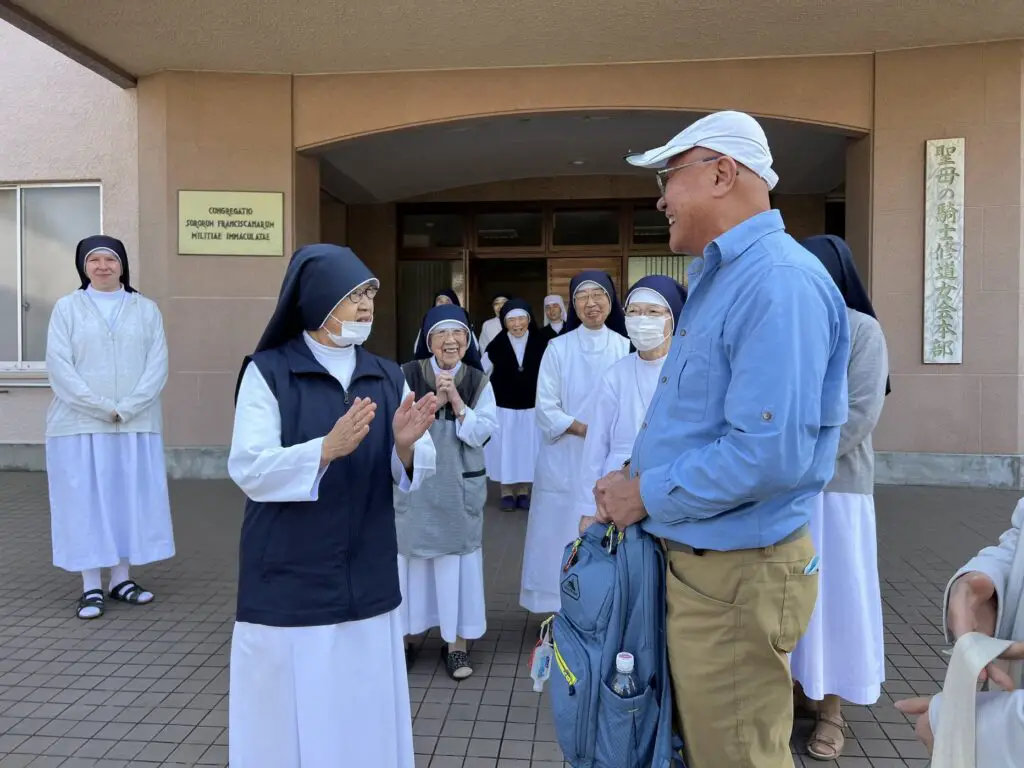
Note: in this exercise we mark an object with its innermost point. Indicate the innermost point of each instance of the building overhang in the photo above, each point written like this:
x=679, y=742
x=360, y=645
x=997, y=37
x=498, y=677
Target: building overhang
x=125, y=40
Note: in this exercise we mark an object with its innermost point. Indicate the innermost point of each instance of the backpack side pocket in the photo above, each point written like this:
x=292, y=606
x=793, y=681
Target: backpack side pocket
x=625, y=737
x=571, y=689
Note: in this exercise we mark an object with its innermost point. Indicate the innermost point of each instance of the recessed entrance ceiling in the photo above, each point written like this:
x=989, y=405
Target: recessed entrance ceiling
x=397, y=165
x=320, y=36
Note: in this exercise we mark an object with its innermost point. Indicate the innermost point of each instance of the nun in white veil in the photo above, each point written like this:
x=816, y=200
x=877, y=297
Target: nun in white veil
x=554, y=315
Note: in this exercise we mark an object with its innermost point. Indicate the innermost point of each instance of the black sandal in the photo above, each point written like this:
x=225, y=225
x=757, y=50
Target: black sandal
x=456, y=663
x=91, y=599
x=130, y=592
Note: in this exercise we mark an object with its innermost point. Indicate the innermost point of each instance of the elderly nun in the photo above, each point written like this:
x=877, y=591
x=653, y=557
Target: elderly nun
x=324, y=431
x=444, y=297
x=594, y=338
x=653, y=305
x=842, y=654
x=106, y=356
x=513, y=361
x=554, y=315
x=440, y=526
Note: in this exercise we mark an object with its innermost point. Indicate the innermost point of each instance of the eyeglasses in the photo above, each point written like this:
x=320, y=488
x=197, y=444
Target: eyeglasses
x=452, y=333
x=596, y=296
x=663, y=175
x=368, y=292
x=634, y=311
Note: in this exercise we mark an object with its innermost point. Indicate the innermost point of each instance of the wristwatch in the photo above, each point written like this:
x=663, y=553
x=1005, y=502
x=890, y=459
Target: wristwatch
x=461, y=412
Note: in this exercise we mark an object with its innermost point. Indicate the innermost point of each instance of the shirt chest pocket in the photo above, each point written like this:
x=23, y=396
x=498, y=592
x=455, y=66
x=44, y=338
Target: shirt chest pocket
x=694, y=379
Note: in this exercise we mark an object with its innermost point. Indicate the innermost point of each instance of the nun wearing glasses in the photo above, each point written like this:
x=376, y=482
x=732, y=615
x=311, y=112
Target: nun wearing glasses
x=106, y=356
x=324, y=432
x=440, y=526
x=594, y=337
x=653, y=306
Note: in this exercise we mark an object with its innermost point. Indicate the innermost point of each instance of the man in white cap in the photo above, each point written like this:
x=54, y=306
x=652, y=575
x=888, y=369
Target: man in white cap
x=739, y=438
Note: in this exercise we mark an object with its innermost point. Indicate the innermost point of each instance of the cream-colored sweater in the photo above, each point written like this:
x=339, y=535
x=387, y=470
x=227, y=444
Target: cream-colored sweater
x=95, y=369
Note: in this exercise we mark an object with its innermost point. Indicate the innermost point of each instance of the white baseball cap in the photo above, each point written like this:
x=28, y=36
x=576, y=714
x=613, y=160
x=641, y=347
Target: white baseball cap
x=735, y=134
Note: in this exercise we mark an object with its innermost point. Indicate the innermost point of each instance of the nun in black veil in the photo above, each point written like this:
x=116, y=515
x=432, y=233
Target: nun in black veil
x=444, y=298
x=842, y=653
x=440, y=527
x=106, y=355
x=324, y=431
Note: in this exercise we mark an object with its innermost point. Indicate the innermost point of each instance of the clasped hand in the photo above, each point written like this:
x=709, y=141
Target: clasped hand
x=618, y=500
x=447, y=393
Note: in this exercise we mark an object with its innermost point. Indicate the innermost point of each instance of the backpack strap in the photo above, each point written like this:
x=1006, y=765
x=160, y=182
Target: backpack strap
x=955, y=745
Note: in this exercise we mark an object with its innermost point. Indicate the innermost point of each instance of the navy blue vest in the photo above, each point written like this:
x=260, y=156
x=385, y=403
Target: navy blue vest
x=515, y=386
x=333, y=560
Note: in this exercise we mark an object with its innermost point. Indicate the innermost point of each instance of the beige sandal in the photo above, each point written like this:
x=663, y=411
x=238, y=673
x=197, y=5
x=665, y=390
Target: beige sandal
x=828, y=739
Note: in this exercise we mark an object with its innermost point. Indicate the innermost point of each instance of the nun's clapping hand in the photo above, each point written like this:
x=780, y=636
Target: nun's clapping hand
x=348, y=431
x=411, y=420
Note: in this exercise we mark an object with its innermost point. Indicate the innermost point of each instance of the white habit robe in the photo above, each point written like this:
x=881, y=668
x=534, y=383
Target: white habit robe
x=488, y=331
x=106, y=351
x=623, y=396
x=511, y=455
x=313, y=697
x=448, y=591
x=565, y=392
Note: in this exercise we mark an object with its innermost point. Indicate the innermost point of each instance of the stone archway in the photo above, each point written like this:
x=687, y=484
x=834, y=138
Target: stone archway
x=835, y=91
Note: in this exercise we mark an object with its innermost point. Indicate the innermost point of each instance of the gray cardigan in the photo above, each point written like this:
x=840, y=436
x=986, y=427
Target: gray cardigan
x=866, y=373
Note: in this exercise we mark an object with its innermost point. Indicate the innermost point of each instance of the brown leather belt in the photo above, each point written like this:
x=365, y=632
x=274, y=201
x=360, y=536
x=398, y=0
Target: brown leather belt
x=675, y=546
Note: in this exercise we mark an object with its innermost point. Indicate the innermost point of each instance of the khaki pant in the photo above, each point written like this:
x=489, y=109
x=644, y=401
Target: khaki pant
x=732, y=618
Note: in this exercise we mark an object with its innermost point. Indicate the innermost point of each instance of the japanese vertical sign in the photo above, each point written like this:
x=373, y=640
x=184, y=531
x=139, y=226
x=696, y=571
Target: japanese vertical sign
x=944, y=251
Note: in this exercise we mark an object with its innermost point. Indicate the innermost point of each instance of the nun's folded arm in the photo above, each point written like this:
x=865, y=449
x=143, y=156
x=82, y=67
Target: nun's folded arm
x=154, y=375
x=67, y=384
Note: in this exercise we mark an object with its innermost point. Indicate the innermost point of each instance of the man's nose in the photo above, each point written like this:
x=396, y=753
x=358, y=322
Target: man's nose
x=661, y=204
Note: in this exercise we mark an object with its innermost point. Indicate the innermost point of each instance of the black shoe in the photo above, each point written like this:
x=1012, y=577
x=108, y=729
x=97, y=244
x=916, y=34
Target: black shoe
x=456, y=663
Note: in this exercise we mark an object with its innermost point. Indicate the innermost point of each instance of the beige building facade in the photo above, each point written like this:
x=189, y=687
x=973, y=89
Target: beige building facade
x=499, y=164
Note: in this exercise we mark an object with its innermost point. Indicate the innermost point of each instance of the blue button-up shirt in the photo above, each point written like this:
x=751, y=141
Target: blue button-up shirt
x=743, y=428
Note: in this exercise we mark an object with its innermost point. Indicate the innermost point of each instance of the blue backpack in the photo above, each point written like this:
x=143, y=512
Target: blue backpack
x=613, y=600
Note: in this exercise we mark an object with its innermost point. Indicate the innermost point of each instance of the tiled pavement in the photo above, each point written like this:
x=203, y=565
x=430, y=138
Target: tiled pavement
x=148, y=686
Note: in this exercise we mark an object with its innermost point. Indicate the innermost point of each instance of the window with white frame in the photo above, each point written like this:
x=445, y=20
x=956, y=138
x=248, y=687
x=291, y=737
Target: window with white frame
x=40, y=225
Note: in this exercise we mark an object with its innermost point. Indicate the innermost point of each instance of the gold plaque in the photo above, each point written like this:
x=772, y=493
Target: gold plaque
x=213, y=223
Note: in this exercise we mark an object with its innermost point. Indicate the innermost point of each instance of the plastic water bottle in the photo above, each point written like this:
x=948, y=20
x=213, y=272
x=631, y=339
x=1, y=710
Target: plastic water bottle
x=540, y=666
x=624, y=685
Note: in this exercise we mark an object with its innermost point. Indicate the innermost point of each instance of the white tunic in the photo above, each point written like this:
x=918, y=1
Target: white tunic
x=488, y=331
x=565, y=392
x=843, y=650
x=448, y=592
x=623, y=395
x=107, y=480
x=313, y=697
x=511, y=454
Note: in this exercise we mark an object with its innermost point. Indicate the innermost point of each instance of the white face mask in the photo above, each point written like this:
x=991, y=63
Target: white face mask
x=645, y=332
x=352, y=332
